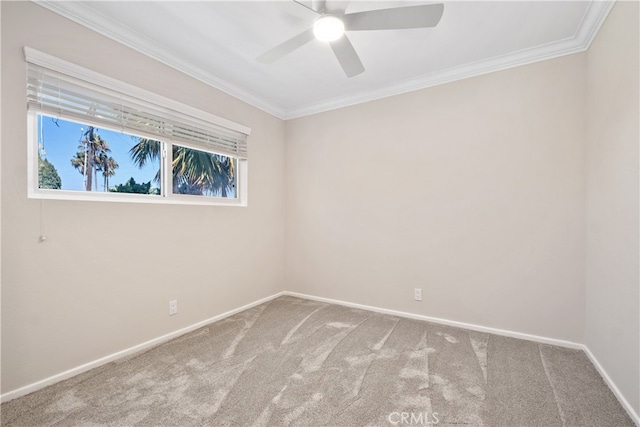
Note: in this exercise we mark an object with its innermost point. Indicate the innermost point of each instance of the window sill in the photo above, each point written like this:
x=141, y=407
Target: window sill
x=176, y=199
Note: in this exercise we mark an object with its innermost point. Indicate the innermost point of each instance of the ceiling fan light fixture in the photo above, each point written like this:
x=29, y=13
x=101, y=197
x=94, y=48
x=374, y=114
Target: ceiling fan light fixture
x=328, y=28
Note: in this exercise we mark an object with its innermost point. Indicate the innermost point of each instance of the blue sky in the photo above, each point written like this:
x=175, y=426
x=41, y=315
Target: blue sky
x=61, y=143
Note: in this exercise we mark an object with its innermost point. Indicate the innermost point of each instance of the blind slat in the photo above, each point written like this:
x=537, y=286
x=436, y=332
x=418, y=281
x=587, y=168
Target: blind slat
x=57, y=94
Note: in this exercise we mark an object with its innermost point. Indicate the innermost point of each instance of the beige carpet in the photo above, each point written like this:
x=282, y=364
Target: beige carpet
x=305, y=363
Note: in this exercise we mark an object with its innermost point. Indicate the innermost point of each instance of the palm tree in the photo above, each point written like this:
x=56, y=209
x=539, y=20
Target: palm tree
x=109, y=166
x=225, y=181
x=78, y=161
x=93, y=157
x=84, y=159
x=194, y=171
x=146, y=150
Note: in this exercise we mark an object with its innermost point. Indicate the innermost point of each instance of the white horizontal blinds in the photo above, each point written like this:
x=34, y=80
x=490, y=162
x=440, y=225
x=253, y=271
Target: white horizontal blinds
x=59, y=95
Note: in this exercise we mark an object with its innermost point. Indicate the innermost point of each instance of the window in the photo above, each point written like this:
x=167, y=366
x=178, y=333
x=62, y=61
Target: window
x=95, y=138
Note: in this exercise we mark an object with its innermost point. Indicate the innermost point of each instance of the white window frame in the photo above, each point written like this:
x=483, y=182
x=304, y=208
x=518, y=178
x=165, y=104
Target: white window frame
x=141, y=96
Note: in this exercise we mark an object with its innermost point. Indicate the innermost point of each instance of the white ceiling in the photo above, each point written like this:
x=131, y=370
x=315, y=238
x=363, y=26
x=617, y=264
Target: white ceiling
x=217, y=42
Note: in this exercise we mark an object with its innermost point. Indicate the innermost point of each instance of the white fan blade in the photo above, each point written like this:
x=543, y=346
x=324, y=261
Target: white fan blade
x=423, y=16
x=286, y=47
x=347, y=56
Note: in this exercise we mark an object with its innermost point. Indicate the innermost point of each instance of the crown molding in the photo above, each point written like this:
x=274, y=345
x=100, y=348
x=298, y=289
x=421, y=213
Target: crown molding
x=593, y=19
x=79, y=13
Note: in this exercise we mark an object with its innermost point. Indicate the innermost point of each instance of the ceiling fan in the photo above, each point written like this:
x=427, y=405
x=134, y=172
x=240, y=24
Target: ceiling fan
x=332, y=22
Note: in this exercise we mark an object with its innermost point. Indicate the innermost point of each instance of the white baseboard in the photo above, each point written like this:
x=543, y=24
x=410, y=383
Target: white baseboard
x=151, y=343
x=126, y=352
x=616, y=391
x=471, y=326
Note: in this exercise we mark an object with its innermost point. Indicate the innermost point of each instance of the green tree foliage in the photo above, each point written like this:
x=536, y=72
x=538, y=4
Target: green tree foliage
x=48, y=175
x=194, y=172
x=225, y=181
x=131, y=186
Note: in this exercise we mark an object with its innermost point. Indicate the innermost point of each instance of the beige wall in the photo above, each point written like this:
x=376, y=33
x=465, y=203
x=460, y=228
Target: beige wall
x=102, y=281
x=613, y=132
x=473, y=191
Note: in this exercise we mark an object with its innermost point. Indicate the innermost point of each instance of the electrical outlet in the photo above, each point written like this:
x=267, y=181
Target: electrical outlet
x=173, y=307
x=417, y=294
